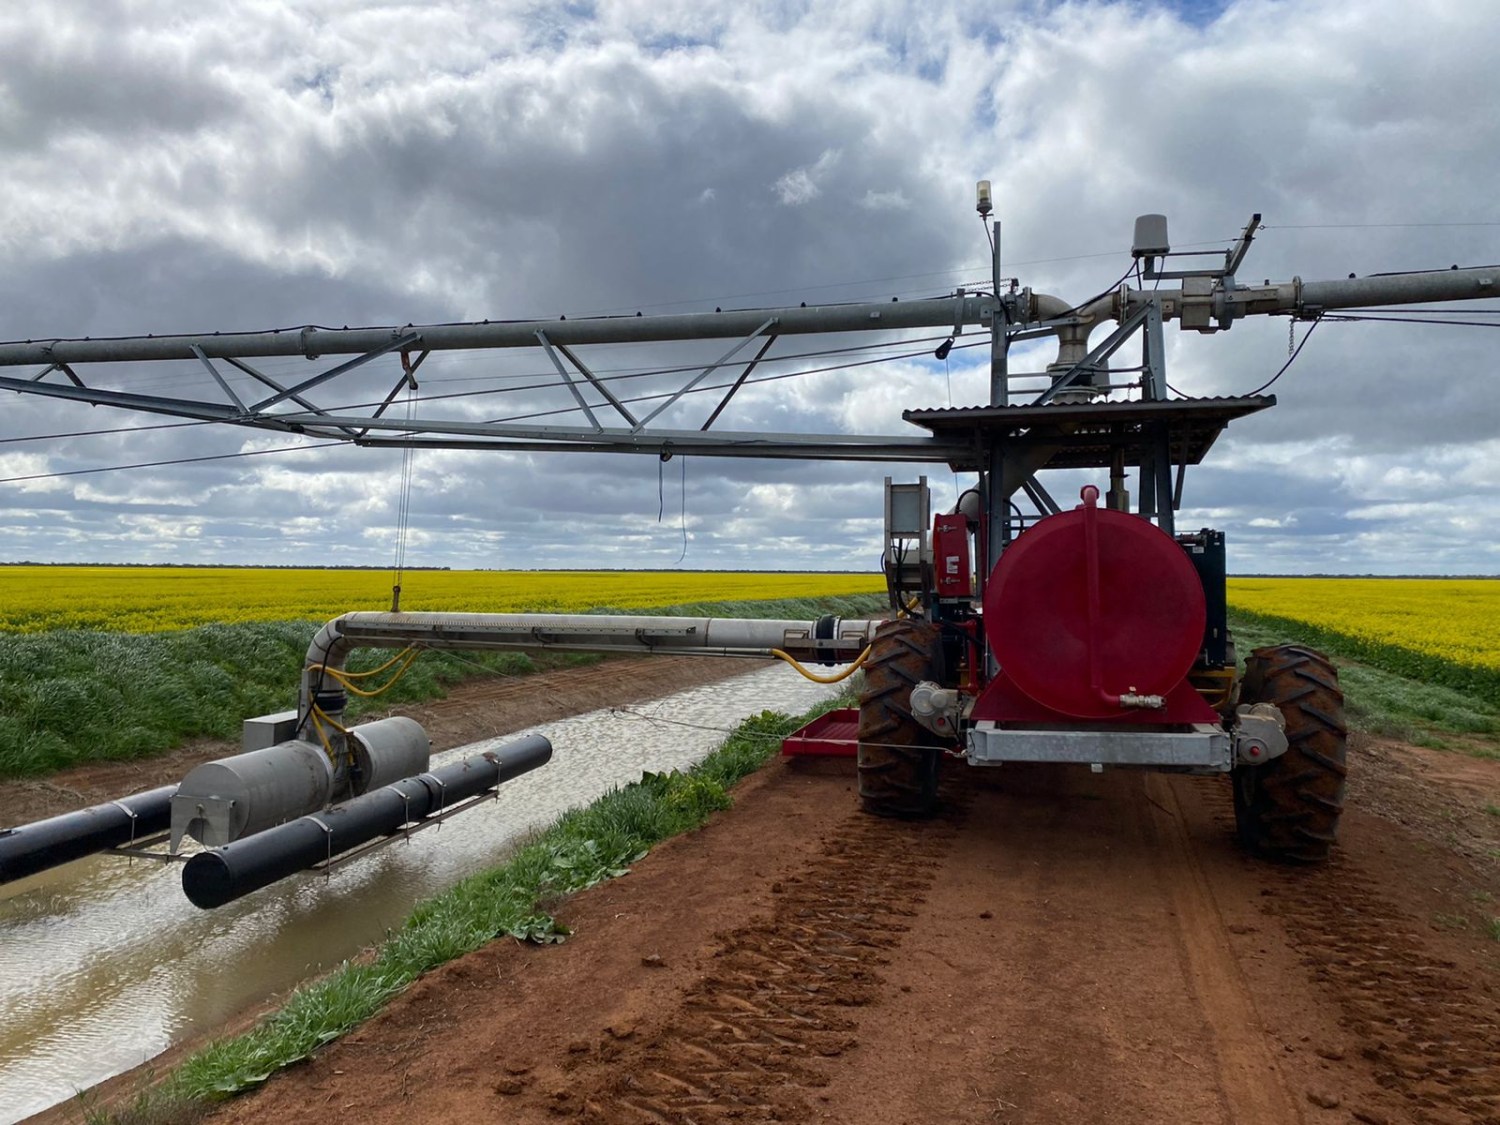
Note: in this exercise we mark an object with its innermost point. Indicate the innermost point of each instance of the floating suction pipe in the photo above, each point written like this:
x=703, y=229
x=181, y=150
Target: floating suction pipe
x=30, y=848
x=216, y=877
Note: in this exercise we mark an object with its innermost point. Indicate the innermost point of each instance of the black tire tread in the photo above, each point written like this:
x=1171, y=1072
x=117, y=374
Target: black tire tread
x=898, y=758
x=1289, y=808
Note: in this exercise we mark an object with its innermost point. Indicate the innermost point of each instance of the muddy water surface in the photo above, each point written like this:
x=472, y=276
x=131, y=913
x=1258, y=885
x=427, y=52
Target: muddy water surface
x=104, y=964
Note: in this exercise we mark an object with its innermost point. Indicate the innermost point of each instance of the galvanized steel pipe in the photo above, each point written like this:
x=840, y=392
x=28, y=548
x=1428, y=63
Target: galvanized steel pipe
x=823, y=639
x=312, y=341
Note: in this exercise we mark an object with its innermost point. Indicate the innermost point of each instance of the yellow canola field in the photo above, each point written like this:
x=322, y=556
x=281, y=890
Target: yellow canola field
x=1455, y=619
x=34, y=599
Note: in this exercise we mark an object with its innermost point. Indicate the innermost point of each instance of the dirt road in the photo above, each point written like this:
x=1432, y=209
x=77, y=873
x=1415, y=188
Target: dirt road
x=1057, y=947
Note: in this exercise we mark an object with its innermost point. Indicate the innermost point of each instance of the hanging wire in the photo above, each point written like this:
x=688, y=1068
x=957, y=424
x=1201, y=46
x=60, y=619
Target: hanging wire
x=403, y=504
x=1369, y=318
x=171, y=461
x=948, y=374
x=1291, y=359
x=684, y=513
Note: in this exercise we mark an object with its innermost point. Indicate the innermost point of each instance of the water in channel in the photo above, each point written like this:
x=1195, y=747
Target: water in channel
x=104, y=963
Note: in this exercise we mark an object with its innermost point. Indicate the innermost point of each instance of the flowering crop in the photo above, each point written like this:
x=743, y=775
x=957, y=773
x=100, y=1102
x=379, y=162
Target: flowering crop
x=1444, y=631
x=1454, y=619
x=158, y=599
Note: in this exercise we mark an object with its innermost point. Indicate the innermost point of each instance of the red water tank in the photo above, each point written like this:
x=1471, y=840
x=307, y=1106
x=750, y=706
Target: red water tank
x=1088, y=605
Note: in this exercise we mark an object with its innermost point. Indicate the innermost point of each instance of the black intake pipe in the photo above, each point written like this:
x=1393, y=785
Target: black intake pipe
x=61, y=839
x=219, y=876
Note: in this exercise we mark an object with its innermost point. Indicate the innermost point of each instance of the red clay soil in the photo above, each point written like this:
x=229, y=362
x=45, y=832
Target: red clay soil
x=1057, y=946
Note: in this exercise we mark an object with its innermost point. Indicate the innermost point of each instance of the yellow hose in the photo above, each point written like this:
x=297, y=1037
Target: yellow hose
x=329, y=719
x=343, y=678
x=364, y=675
x=323, y=738
x=813, y=676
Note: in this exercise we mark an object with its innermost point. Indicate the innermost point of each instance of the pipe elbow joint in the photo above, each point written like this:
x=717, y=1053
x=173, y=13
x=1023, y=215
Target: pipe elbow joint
x=328, y=647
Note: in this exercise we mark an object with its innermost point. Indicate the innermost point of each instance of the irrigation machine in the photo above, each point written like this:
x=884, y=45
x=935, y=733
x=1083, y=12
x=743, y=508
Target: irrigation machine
x=1022, y=627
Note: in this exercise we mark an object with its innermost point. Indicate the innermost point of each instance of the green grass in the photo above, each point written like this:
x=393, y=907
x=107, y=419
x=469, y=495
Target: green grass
x=1385, y=702
x=151, y=1104
x=583, y=847
x=71, y=697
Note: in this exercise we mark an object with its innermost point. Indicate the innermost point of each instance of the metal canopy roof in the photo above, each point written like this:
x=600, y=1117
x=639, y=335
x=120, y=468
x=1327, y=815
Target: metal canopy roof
x=1086, y=435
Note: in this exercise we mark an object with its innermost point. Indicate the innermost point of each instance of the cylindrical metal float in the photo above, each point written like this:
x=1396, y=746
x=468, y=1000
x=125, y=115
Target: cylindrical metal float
x=1092, y=605
x=30, y=848
x=213, y=878
x=388, y=750
x=223, y=800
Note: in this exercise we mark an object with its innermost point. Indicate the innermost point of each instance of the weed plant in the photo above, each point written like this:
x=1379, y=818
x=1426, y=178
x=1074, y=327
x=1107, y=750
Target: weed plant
x=583, y=847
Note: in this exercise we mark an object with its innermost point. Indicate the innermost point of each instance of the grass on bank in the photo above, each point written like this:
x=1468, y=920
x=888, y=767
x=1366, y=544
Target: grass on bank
x=70, y=697
x=583, y=847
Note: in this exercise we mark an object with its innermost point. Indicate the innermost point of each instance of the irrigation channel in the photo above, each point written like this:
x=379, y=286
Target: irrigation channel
x=104, y=963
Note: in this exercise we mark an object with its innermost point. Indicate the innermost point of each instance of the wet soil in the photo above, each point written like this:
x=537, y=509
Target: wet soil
x=1057, y=946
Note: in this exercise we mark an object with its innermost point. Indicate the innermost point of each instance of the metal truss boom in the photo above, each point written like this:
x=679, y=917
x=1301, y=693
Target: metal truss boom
x=1202, y=303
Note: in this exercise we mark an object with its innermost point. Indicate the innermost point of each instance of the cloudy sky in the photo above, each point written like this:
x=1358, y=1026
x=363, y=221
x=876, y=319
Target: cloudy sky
x=228, y=165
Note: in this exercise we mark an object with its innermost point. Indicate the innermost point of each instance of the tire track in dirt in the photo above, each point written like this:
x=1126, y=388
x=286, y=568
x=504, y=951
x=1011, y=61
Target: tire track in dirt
x=749, y=1038
x=1430, y=1031
x=1425, y=1026
x=1253, y=1088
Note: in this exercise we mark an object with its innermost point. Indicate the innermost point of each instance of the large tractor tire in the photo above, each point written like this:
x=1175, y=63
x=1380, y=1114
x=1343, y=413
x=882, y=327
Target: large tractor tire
x=898, y=757
x=1289, y=808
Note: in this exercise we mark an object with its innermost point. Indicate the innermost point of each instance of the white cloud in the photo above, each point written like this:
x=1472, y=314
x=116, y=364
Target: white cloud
x=803, y=185
x=233, y=165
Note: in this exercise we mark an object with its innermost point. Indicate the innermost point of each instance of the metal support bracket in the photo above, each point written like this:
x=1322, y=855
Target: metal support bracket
x=1203, y=746
x=399, y=344
x=1111, y=344
x=568, y=379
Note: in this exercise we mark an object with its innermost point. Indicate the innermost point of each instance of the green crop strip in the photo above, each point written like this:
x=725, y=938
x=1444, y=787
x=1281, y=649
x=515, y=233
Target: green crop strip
x=583, y=847
x=70, y=697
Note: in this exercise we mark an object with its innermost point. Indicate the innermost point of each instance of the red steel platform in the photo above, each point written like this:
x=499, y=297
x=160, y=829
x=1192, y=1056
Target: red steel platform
x=835, y=734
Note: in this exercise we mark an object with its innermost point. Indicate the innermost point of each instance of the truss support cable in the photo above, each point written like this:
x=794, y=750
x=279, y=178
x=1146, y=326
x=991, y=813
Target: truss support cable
x=740, y=382
x=704, y=374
